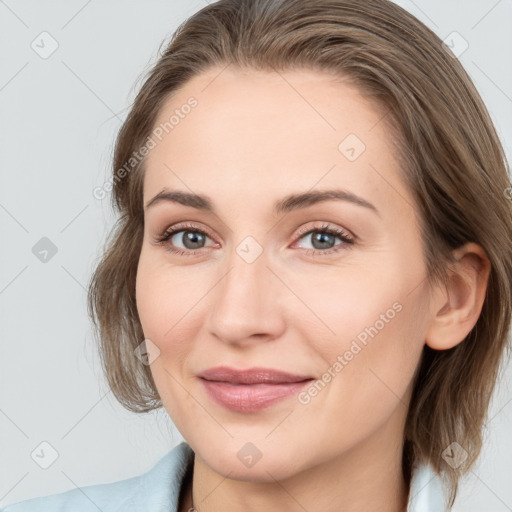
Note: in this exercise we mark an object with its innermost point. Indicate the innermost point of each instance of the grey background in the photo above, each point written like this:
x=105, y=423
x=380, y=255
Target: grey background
x=59, y=117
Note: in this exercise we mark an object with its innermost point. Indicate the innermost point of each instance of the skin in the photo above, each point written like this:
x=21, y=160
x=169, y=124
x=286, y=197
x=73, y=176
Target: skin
x=254, y=138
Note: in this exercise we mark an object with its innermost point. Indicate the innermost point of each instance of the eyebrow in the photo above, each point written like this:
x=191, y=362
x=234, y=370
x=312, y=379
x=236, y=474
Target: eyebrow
x=285, y=205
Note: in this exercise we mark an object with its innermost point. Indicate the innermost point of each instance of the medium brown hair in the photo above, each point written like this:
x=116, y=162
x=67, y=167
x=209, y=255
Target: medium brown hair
x=451, y=160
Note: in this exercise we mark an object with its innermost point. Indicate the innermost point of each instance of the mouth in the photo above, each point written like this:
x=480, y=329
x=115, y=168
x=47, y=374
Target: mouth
x=250, y=390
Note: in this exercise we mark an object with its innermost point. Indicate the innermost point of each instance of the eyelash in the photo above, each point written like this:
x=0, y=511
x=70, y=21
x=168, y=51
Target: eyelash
x=325, y=228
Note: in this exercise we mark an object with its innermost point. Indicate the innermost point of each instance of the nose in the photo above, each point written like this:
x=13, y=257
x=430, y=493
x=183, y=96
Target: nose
x=248, y=303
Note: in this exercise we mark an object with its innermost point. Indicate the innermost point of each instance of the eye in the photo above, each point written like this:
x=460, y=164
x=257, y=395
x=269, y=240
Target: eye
x=189, y=235
x=193, y=239
x=323, y=239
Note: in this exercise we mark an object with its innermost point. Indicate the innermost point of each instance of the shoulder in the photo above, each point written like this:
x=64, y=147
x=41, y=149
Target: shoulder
x=153, y=491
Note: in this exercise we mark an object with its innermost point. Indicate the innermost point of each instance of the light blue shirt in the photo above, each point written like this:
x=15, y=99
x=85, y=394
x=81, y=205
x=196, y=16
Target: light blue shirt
x=158, y=490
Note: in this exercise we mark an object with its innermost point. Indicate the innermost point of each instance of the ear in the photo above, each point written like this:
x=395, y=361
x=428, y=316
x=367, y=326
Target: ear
x=456, y=306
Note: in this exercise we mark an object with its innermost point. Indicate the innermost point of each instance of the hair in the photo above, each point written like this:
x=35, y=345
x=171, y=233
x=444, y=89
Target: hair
x=451, y=160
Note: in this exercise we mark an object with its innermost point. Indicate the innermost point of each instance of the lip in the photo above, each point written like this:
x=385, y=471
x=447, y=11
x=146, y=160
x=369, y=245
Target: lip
x=252, y=389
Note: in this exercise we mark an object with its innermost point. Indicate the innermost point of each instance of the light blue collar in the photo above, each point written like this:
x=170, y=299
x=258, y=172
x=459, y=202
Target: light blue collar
x=426, y=491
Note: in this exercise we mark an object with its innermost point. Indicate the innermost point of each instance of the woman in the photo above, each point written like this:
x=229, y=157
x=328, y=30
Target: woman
x=312, y=267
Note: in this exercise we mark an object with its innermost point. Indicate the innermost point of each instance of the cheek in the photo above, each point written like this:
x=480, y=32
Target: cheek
x=169, y=304
x=369, y=382
x=375, y=365
x=165, y=300
x=370, y=334
x=167, y=319
x=341, y=302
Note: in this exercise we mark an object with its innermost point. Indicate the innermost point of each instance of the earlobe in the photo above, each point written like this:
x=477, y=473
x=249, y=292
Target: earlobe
x=456, y=305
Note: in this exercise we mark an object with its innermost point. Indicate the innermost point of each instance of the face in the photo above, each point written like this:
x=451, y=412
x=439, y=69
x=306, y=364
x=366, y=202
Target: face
x=327, y=288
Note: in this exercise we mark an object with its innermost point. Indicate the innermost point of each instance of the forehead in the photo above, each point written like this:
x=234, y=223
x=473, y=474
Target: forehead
x=256, y=131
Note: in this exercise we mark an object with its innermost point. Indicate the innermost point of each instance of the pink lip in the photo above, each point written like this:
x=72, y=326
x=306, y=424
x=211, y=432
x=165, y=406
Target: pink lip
x=250, y=390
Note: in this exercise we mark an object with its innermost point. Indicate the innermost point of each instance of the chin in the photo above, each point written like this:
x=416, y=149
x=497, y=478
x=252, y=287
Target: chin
x=246, y=461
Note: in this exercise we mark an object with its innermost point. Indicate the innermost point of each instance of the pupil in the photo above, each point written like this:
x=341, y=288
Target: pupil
x=322, y=239
x=191, y=236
